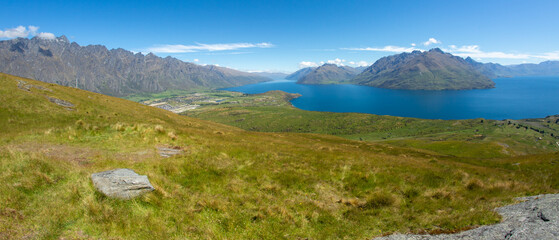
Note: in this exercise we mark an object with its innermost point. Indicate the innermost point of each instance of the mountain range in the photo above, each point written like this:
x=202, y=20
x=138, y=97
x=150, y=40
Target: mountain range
x=115, y=72
x=429, y=70
x=328, y=73
x=118, y=72
x=495, y=70
x=300, y=73
x=272, y=75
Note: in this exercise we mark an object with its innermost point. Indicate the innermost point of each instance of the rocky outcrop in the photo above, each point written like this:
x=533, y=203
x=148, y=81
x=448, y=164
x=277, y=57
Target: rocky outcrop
x=536, y=218
x=60, y=102
x=169, y=151
x=114, y=72
x=121, y=183
x=23, y=85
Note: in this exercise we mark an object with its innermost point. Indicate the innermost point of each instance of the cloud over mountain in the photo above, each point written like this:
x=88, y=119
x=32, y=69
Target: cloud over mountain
x=23, y=32
x=179, y=48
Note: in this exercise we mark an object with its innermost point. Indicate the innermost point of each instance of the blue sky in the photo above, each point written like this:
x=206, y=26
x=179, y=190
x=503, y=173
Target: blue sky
x=286, y=35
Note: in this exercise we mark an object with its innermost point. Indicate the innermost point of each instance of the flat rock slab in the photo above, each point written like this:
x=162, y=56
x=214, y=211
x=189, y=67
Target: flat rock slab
x=536, y=218
x=121, y=183
x=168, y=152
x=23, y=85
x=61, y=102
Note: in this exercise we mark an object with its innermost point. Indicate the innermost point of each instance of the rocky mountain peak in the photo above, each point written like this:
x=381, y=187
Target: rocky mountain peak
x=117, y=72
x=436, y=50
x=431, y=70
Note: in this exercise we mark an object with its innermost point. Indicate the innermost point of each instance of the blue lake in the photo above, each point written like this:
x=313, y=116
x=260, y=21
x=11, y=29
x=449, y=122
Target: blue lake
x=513, y=98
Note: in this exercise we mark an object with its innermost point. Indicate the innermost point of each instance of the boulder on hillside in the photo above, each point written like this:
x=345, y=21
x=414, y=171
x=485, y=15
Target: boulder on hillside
x=536, y=218
x=121, y=183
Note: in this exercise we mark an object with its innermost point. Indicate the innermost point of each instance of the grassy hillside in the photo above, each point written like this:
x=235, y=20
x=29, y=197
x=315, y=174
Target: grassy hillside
x=272, y=112
x=230, y=183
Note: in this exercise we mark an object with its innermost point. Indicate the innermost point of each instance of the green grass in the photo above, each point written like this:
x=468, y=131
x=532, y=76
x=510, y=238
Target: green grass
x=463, y=138
x=231, y=183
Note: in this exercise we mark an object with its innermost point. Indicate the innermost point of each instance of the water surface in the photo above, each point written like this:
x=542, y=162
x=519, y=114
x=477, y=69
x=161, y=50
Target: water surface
x=513, y=98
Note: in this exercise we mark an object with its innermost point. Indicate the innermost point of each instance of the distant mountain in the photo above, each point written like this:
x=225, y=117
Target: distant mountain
x=547, y=68
x=430, y=70
x=495, y=70
x=491, y=70
x=115, y=72
x=361, y=69
x=272, y=75
x=356, y=70
x=300, y=73
x=328, y=74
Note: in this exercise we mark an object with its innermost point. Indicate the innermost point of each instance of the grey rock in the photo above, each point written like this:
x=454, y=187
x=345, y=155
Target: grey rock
x=23, y=85
x=536, y=218
x=168, y=152
x=61, y=102
x=121, y=183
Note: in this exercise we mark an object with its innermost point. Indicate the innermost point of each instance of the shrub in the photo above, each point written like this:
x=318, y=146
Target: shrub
x=119, y=127
x=439, y=193
x=172, y=136
x=411, y=192
x=474, y=184
x=379, y=200
x=159, y=129
x=80, y=123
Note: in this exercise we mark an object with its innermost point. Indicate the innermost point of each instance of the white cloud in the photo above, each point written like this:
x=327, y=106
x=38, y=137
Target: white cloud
x=196, y=60
x=431, y=41
x=359, y=64
x=19, y=31
x=304, y=64
x=385, y=49
x=179, y=48
x=362, y=64
x=465, y=49
x=33, y=30
x=474, y=51
x=396, y=49
x=482, y=55
x=549, y=55
x=337, y=61
x=23, y=32
x=45, y=35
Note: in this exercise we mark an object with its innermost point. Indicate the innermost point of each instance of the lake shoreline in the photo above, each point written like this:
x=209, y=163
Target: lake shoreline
x=513, y=98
